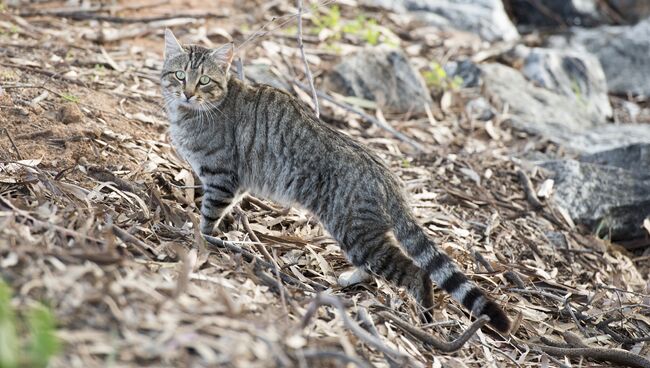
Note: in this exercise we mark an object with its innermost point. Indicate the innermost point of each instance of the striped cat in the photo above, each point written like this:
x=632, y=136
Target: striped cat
x=240, y=138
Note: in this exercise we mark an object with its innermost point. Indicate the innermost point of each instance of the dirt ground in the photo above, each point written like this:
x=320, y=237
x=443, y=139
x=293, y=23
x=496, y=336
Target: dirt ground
x=97, y=214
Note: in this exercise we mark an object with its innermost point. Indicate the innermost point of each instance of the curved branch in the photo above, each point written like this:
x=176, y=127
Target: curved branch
x=618, y=356
x=324, y=299
x=444, y=346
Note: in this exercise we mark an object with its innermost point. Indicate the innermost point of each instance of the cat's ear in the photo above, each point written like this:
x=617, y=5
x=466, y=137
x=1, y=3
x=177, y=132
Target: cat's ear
x=172, y=46
x=224, y=55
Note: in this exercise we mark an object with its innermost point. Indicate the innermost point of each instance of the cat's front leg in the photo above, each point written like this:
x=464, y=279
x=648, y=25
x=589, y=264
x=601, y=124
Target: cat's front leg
x=219, y=188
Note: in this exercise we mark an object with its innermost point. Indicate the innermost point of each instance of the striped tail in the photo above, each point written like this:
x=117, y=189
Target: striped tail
x=445, y=273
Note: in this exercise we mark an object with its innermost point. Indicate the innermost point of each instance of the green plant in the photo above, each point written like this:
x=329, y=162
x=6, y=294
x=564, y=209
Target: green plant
x=329, y=18
x=365, y=28
x=437, y=77
x=362, y=27
x=39, y=344
x=8, y=339
x=70, y=97
x=603, y=228
x=577, y=91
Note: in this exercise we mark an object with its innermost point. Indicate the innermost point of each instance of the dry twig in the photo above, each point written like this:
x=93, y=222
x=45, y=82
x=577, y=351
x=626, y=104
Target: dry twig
x=324, y=299
x=308, y=74
x=250, y=257
x=369, y=325
x=527, y=185
x=574, y=348
x=444, y=346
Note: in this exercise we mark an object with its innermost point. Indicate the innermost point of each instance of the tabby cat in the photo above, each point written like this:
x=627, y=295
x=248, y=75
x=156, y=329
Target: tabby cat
x=240, y=138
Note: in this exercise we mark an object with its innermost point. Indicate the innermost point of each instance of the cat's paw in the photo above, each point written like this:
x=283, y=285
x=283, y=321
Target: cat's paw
x=227, y=224
x=206, y=226
x=353, y=277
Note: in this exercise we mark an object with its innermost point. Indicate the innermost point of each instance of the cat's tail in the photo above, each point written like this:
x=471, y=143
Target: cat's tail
x=445, y=273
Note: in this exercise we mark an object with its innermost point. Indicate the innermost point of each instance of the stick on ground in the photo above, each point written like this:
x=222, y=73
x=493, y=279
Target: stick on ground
x=323, y=299
x=248, y=256
x=443, y=346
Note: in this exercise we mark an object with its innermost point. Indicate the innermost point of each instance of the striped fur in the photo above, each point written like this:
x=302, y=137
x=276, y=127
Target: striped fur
x=258, y=139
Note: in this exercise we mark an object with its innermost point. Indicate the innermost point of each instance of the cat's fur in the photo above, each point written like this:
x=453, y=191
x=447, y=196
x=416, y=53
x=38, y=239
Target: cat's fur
x=262, y=140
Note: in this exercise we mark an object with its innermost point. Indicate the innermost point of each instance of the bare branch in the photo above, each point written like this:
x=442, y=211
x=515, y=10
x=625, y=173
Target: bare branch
x=527, y=185
x=368, y=325
x=324, y=299
x=618, y=356
x=301, y=46
x=444, y=346
x=324, y=354
x=251, y=257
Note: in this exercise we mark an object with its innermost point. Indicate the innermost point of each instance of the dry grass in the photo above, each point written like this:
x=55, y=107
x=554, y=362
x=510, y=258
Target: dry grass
x=97, y=216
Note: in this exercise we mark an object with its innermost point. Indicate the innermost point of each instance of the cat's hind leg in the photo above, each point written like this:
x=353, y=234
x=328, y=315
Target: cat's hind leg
x=377, y=252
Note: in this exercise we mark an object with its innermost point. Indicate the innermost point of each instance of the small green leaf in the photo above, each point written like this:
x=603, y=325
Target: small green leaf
x=70, y=98
x=8, y=340
x=44, y=343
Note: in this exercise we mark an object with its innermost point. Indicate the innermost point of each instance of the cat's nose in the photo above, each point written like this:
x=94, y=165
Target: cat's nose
x=188, y=95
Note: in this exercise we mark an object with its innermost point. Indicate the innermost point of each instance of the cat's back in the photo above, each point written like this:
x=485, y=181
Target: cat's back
x=292, y=118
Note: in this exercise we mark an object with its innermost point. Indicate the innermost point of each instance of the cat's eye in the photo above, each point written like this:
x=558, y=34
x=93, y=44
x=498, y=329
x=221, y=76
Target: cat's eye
x=180, y=75
x=204, y=80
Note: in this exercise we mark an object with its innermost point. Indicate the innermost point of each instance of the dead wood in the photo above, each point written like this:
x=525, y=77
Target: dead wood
x=443, y=346
x=529, y=190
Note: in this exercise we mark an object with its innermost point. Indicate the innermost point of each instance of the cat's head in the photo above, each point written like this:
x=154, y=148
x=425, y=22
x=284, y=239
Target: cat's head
x=194, y=77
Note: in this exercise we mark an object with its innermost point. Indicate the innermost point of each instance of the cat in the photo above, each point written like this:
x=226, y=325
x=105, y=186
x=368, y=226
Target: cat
x=242, y=138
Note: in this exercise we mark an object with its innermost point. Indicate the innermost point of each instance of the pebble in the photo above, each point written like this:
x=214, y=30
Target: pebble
x=69, y=113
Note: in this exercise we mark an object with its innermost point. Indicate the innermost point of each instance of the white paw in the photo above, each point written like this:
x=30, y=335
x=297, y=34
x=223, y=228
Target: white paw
x=355, y=276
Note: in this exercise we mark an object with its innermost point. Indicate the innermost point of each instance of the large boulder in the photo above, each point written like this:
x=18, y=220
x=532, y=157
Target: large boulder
x=381, y=75
x=563, y=100
x=630, y=10
x=487, y=18
x=585, y=13
x=573, y=74
x=635, y=157
x=623, y=51
x=604, y=138
x=608, y=199
x=537, y=109
x=553, y=13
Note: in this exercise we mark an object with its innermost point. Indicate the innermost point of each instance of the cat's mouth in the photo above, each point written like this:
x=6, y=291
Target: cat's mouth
x=191, y=105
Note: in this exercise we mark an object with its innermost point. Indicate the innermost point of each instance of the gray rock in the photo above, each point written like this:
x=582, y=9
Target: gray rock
x=479, y=109
x=554, y=12
x=574, y=74
x=576, y=121
x=536, y=109
x=383, y=76
x=264, y=74
x=487, y=18
x=469, y=72
x=631, y=10
x=610, y=200
x=603, y=137
x=635, y=157
x=623, y=51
